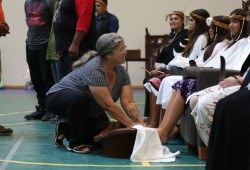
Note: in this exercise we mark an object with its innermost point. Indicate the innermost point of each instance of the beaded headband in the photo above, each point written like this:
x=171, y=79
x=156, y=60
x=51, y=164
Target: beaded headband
x=197, y=16
x=220, y=24
x=236, y=17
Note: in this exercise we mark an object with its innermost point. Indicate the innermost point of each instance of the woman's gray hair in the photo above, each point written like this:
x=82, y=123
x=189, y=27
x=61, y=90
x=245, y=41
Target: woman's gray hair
x=84, y=59
x=105, y=45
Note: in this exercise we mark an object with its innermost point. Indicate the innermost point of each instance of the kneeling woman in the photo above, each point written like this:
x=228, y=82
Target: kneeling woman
x=84, y=95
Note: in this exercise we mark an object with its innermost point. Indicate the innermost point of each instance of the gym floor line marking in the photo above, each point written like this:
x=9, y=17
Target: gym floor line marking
x=22, y=123
x=12, y=152
x=145, y=164
x=100, y=165
x=14, y=113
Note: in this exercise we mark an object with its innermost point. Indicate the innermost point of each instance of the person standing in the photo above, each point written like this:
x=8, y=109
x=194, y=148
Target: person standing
x=75, y=31
x=39, y=14
x=4, y=30
x=105, y=21
x=51, y=51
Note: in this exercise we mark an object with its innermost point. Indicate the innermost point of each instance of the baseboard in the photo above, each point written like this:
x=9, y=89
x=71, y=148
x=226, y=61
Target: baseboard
x=138, y=86
x=9, y=86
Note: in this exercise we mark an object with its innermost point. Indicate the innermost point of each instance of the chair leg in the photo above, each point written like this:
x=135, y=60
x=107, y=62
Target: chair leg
x=202, y=152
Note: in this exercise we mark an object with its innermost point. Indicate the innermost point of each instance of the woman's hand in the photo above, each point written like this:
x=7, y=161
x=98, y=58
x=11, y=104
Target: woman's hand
x=4, y=29
x=153, y=72
x=132, y=124
x=73, y=50
x=230, y=81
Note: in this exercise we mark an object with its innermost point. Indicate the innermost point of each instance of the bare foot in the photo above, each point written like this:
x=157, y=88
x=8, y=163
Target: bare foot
x=152, y=125
x=174, y=131
x=146, y=121
x=163, y=138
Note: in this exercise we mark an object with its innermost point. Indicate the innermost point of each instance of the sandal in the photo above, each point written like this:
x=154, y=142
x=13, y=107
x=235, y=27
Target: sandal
x=58, y=135
x=83, y=149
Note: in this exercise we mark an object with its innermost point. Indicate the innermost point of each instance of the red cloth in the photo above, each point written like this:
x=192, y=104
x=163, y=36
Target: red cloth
x=83, y=12
x=1, y=12
x=156, y=81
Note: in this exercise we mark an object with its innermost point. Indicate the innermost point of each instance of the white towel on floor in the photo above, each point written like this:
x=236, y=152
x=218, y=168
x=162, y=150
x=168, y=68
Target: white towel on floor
x=148, y=147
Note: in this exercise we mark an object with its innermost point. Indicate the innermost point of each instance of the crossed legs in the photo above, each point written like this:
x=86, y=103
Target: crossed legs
x=172, y=114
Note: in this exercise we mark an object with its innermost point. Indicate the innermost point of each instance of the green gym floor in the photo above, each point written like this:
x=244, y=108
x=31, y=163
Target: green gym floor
x=31, y=145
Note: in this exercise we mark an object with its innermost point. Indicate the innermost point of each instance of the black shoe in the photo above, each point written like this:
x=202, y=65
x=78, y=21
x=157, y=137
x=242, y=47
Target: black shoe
x=5, y=131
x=36, y=115
x=47, y=116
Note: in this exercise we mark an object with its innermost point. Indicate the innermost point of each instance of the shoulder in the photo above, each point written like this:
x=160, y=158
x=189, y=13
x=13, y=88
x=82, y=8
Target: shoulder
x=112, y=16
x=202, y=37
x=121, y=69
x=202, y=40
x=184, y=32
x=183, y=35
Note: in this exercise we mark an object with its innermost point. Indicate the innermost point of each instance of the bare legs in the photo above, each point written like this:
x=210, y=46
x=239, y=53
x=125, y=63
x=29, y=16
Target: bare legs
x=193, y=101
x=173, y=113
x=154, y=115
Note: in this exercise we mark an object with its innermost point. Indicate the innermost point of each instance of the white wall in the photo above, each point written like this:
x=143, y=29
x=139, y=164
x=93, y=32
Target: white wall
x=134, y=16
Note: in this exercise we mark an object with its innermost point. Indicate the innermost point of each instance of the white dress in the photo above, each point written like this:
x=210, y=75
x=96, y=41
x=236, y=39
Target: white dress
x=204, y=109
x=208, y=98
x=197, y=49
x=165, y=89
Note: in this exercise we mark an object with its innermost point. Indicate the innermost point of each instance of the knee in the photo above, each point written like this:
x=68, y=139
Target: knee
x=193, y=101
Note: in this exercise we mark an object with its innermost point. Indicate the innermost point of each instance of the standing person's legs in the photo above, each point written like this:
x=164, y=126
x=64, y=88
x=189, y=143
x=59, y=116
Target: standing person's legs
x=0, y=66
x=54, y=69
x=41, y=77
x=65, y=63
x=1, y=83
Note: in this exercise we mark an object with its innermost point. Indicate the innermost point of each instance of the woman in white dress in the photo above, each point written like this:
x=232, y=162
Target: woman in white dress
x=204, y=101
x=198, y=39
x=235, y=54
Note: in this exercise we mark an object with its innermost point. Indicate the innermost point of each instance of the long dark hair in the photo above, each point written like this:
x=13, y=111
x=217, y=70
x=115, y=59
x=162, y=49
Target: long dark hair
x=220, y=35
x=201, y=28
x=243, y=25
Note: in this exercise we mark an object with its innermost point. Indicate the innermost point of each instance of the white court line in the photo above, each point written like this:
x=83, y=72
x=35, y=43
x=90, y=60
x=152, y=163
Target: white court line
x=12, y=152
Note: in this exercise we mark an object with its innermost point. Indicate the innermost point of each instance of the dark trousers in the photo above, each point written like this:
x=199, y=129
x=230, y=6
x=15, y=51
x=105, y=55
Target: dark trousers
x=65, y=63
x=229, y=141
x=40, y=72
x=86, y=119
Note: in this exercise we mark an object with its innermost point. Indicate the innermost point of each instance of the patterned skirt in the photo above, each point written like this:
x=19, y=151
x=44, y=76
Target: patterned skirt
x=186, y=86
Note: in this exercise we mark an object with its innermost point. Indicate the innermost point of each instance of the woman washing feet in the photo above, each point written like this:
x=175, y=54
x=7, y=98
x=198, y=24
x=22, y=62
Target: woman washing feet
x=84, y=95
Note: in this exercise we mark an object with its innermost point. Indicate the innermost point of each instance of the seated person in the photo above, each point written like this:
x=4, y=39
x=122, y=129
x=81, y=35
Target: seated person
x=235, y=55
x=206, y=100
x=229, y=141
x=176, y=43
x=198, y=39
